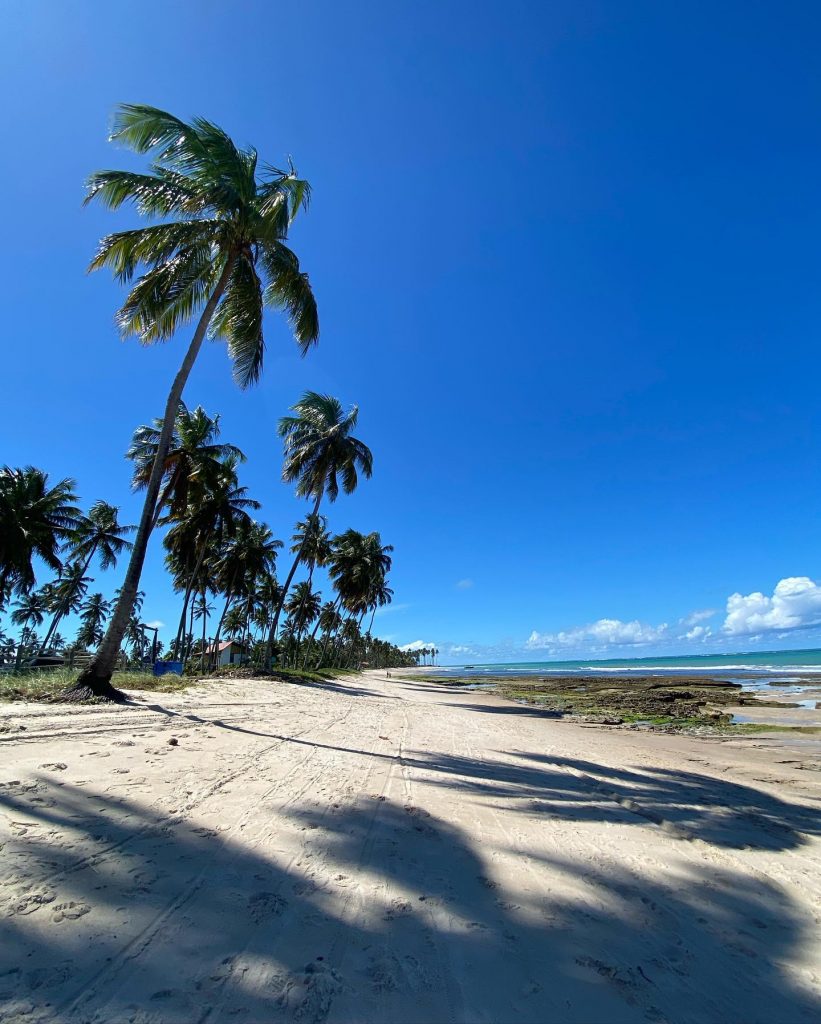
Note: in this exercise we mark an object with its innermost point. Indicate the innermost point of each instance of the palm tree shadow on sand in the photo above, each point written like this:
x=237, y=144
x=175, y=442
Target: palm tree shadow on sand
x=201, y=927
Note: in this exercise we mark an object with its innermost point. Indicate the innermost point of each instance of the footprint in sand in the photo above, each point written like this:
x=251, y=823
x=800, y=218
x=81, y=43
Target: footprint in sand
x=69, y=911
x=28, y=904
x=55, y=766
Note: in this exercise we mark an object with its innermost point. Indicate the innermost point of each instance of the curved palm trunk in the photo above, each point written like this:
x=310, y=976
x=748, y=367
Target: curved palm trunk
x=228, y=596
x=269, y=646
x=61, y=611
x=313, y=637
x=204, y=624
x=95, y=679
x=192, y=579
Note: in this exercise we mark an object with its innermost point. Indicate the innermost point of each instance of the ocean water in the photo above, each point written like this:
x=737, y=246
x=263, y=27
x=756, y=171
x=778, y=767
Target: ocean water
x=757, y=670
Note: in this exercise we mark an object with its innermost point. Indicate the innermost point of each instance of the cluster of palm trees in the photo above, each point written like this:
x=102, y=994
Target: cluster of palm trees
x=214, y=249
x=38, y=521
x=421, y=653
x=214, y=547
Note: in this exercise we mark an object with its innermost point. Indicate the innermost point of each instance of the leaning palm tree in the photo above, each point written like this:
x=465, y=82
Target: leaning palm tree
x=97, y=534
x=221, y=255
x=35, y=520
x=320, y=454
x=66, y=595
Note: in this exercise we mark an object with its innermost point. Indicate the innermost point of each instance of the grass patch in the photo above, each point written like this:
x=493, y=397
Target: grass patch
x=44, y=684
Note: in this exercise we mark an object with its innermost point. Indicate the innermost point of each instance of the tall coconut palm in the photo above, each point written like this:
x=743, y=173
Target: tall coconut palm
x=303, y=607
x=213, y=515
x=97, y=534
x=249, y=555
x=35, y=520
x=192, y=457
x=223, y=258
x=320, y=454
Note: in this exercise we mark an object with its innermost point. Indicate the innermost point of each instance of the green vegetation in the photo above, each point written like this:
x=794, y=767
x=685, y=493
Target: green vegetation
x=49, y=684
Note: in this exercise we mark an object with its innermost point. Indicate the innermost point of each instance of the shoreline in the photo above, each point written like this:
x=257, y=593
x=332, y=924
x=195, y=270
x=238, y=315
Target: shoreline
x=681, y=703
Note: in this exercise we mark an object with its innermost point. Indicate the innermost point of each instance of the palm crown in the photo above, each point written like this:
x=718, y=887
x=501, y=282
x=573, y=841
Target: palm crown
x=320, y=450
x=100, y=533
x=35, y=520
x=228, y=235
x=193, y=458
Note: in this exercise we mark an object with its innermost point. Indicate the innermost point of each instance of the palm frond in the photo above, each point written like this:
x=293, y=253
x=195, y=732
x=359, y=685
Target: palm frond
x=290, y=290
x=239, y=320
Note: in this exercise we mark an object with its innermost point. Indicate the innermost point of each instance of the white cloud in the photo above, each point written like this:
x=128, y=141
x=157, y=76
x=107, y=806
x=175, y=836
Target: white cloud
x=417, y=645
x=603, y=631
x=156, y=624
x=698, y=616
x=458, y=649
x=464, y=584
x=697, y=633
x=795, y=604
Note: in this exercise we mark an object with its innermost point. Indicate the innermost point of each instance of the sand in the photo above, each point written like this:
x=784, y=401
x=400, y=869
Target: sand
x=393, y=851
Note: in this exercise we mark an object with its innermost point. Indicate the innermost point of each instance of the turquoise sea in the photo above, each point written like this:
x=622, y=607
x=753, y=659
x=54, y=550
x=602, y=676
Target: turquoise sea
x=758, y=667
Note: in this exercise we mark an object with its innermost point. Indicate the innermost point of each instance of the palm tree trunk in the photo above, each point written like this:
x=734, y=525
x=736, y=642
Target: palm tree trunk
x=95, y=679
x=169, y=487
x=61, y=611
x=269, y=646
x=192, y=579
x=204, y=624
x=222, y=619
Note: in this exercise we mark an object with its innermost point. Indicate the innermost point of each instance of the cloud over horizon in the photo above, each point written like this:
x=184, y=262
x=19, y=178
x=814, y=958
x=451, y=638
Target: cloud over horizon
x=795, y=604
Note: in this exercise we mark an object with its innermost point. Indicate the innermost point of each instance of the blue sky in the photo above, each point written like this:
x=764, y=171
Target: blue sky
x=567, y=261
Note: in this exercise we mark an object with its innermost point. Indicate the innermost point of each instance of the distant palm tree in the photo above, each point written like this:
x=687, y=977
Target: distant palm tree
x=97, y=534
x=35, y=520
x=250, y=554
x=214, y=515
x=224, y=258
x=30, y=610
x=320, y=454
x=66, y=594
x=93, y=615
x=303, y=607
x=192, y=457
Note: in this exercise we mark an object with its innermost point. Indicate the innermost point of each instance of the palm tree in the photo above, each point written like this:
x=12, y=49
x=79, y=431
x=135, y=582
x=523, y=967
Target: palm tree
x=93, y=615
x=234, y=621
x=192, y=457
x=99, y=533
x=224, y=258
x=30, y=610
x=202, y=612
x=320, y=453
x=303, y=607
x=35, y=520
x=66, y=595
x=213, y=515
x=249, y=555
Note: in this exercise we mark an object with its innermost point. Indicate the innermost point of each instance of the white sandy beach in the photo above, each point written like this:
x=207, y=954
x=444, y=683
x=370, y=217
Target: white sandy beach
x=392, y=851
